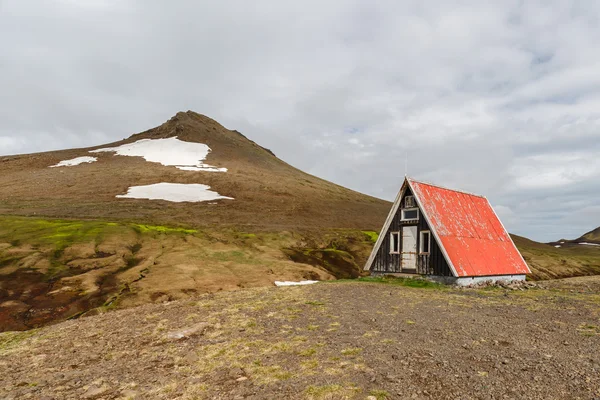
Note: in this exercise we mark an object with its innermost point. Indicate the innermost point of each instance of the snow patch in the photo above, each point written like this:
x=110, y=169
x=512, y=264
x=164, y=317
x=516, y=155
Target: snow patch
x=187, y=156
x=558, y=246
x=589, y=244
x=175, y=192
x=75, y=161
x=206, y=168
x=290, y=283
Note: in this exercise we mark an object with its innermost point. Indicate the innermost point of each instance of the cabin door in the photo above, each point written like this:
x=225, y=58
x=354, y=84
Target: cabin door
x=409, y=248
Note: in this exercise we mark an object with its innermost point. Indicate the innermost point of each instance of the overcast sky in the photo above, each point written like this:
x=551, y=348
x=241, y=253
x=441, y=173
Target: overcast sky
x=500, y=98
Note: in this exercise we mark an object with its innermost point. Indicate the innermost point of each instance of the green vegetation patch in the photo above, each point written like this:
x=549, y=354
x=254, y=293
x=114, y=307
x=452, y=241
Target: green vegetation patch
x=397, y=281
x=12, y=340
x=372, y=235
x=140, y=228
x=333, y=391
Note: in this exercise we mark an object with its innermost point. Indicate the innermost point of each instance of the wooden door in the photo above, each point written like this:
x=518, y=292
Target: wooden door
x=409, y=248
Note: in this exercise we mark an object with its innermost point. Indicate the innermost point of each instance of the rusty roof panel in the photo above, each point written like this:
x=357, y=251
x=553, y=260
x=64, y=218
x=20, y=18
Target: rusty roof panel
x=470, y=232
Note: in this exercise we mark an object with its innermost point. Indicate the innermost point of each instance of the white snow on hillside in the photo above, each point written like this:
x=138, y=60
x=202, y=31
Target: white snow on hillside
x=175, y=192
x=75, y=161
x=291, y=283
x=589, y=244
x=187, y=156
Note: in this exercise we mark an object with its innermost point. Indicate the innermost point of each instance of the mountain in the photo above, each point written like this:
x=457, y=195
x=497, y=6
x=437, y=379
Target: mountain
x=267, y=192
x=592, y=236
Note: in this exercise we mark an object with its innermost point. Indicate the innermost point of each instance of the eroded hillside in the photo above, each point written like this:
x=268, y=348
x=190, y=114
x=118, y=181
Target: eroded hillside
x=51, y=270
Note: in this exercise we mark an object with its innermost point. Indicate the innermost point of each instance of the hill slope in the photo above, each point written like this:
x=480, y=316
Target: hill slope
x=267, y=192
x=558, y=260
x=592, y=236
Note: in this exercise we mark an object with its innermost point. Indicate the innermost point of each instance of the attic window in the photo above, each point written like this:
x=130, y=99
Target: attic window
x=394, y=242
x=425, y=246
x=409, y=202
x=410, y=214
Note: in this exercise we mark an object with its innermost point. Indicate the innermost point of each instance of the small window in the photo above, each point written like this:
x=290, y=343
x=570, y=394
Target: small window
x=409, y=202
x=410, y=214
x=394, y=242
x=425, y=247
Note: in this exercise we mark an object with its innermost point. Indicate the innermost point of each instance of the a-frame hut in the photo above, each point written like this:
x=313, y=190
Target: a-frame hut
x=449, y=235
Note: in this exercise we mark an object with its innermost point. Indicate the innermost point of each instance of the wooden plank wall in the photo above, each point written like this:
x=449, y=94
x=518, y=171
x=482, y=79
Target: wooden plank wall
x=432, y=264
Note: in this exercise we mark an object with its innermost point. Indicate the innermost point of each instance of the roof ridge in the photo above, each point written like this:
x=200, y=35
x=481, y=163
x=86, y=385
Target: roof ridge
x=446, y=188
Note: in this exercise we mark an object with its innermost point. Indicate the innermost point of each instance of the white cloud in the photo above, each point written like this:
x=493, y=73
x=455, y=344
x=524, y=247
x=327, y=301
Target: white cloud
x=491, y=97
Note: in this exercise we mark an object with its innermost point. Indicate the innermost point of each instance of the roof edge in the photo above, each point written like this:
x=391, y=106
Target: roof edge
x=446, y=188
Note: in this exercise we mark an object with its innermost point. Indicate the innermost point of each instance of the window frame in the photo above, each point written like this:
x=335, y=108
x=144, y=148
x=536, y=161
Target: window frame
x=397, y=241
x=421, y=241
x=413, y=202
x=403, y=218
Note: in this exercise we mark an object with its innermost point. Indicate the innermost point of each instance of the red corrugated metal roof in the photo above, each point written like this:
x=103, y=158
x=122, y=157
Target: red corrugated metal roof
x=474, y=240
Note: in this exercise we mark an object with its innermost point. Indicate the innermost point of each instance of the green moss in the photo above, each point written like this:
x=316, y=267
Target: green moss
x=140, y=228
x=320, y=392
x=372, y=235
x=58, y=234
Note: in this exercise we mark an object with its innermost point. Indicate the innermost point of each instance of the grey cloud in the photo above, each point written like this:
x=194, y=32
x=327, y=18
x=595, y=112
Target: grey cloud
x=500, y=98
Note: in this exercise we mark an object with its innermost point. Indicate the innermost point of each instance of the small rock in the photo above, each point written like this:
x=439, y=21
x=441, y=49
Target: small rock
x=129, y=394
x=192, y=357
x=95, y=391
x=194, y=330
x=242, y=378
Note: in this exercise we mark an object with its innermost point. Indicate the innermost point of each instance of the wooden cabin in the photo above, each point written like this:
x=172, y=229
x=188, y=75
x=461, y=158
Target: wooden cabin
x=447, y=235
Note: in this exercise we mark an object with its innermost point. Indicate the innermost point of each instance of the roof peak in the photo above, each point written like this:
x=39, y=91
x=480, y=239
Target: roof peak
x=409, y=179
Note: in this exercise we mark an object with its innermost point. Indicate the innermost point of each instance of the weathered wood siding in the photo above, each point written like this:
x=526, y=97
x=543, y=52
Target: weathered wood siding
x=432, y=264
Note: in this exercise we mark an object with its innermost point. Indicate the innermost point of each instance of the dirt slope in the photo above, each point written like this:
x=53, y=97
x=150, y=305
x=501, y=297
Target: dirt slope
x=268, y=192
x=329, y=341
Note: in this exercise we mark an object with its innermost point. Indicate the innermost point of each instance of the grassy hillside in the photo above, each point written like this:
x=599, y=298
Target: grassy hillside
x=549, y=262
x=56, y=269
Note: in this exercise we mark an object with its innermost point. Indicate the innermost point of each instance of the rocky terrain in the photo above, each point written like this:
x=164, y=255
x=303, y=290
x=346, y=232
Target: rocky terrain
x=379, y=339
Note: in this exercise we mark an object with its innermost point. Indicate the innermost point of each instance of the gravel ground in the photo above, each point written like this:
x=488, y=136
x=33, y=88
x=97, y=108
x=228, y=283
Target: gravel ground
x=327, y=341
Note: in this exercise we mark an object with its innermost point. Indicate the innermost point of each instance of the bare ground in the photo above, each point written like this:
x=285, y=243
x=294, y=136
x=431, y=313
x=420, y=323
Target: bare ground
x=327, y=341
